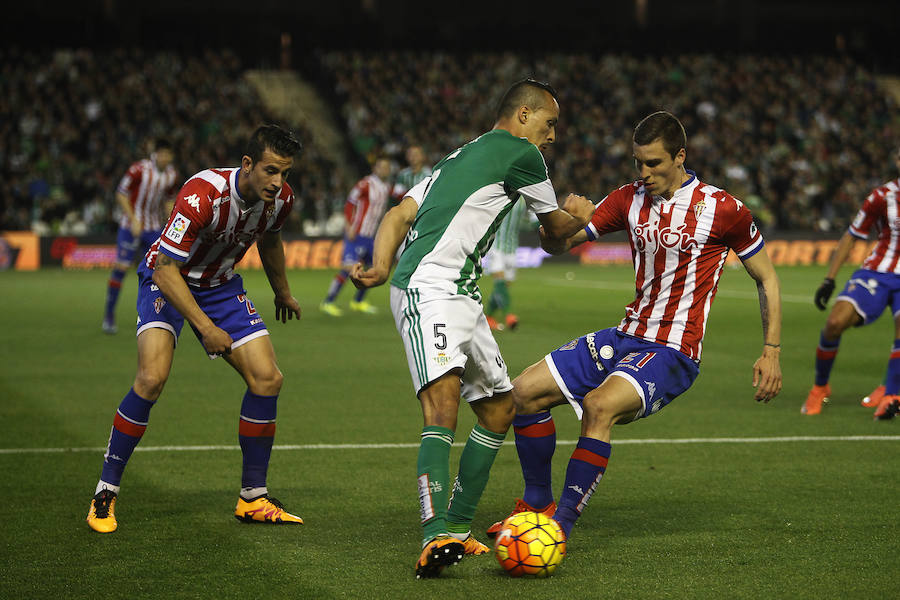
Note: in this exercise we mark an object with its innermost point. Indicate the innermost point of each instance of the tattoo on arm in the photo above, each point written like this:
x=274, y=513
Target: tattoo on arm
x=163, y=260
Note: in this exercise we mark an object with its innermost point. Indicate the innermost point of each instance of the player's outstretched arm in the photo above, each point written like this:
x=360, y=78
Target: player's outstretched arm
x=767, y=369
x=167, y=275
x=841, y=253
x=271, y=254
x=393, y=228
x=568, y=220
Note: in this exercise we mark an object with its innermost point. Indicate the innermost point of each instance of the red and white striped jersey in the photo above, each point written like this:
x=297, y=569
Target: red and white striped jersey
x=678, y=247
x=366, y=205
x=881, y=210
x=211, y=226
x=148, y=188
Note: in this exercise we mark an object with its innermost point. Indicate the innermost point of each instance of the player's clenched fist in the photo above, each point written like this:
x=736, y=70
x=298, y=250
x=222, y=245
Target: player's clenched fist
x=579, y=207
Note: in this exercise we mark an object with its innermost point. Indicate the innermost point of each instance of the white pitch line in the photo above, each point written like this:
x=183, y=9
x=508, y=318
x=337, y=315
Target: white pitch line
x=750, y=440
x=603, y=285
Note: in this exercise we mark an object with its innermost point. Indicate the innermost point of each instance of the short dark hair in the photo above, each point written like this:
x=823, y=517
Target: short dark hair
x=664, y=126
x=162, y=144
x=524, y=92
x=277, y=139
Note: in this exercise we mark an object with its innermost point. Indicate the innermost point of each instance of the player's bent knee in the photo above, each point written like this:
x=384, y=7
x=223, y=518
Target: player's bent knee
x=267, y=383
x=149, y=384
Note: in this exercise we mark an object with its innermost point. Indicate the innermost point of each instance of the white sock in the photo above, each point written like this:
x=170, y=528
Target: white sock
x=461, y=536
x=102, y=485
x=252, y=493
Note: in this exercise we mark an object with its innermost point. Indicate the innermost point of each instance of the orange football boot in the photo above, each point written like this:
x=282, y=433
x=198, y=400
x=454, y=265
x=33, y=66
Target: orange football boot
x=887, y=408
x=102, y=514
x=521, y=506
x=874, y=397
x=264, y=510
x=442, y=551
x=818, y=395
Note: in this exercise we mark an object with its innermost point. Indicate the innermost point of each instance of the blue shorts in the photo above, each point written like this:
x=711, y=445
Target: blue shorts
x=227, y=305
x=657, y=372
x=870, y=292
x=127, y=247
x=359, y=249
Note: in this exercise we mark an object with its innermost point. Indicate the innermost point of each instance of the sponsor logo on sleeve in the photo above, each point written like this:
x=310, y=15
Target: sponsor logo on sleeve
x=194, y=201
x=177, y=229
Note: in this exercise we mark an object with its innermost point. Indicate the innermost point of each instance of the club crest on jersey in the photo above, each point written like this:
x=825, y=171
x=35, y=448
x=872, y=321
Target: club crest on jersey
x=270, y=210
x=570, y=346
x=158, y=304
x=698, y=208
x=442, y=359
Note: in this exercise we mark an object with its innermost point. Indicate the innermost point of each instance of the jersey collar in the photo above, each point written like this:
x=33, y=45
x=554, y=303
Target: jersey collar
x=235, y=192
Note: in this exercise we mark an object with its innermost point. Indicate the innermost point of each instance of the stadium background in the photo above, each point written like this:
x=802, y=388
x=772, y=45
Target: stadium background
x=791, y=106
x=719, y=497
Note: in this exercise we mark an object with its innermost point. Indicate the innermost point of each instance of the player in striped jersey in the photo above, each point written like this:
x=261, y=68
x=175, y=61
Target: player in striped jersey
x=502, y=266
x=449, y=221
x=680, y=230
x=410, y=175
x=363, y=211
x=144, y=195
x=189, y=274
x=872, y=288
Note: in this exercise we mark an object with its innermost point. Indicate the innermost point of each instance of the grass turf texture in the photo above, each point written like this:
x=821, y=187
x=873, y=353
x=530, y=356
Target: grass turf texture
x=799, y=519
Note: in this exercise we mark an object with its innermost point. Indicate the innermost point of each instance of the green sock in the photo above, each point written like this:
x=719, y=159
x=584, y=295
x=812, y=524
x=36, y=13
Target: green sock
x=501, y=291
x=474, y=469
x=434, y=479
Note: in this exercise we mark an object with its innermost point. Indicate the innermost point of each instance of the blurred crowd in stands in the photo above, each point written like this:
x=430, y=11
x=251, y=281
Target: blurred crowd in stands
x=72, y=121
x=801, y=140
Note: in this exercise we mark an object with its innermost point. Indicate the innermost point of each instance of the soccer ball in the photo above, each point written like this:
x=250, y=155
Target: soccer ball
x=530, y=543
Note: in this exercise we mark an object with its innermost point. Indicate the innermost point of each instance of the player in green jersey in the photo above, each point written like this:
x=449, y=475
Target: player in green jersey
x=449, y=220
x=502, y=266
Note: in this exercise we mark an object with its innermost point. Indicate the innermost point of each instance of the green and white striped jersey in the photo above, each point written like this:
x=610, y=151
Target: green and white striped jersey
x=407, y=178
x=507, y=238
x=461, y=206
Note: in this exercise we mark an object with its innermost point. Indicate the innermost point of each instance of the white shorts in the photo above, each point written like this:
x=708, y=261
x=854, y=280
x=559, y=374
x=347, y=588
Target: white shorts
x=441, y=332
x=502, y=262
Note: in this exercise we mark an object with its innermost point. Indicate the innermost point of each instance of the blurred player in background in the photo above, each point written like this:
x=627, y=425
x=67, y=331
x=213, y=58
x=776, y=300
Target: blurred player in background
x=189, y=274
x=681, y=231
x=872, y=288
x=502, y=267
x=449, y=220
x=411, y=175
x=363, y=211
x=145, y=196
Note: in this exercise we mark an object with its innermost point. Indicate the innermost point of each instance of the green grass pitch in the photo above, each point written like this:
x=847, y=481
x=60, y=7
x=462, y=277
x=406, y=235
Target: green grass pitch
x=812, y=517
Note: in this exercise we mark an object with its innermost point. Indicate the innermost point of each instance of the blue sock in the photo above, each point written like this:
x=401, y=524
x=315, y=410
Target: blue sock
x=892, y=379
x=128, y=427
x=586, y=468
x=112, y=292
x=360, y=294
x=256, y=433
x=336, y=284
x=535, y=443
x=826, y=352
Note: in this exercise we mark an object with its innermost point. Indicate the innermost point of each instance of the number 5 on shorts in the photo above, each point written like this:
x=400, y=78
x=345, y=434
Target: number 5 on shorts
x=441, y=344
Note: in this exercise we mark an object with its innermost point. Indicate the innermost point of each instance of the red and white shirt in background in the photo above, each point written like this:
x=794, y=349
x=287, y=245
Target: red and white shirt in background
x=212, y=226
x=678, y=247
x=148, y=188
x=366, y=205
x=881, y=210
